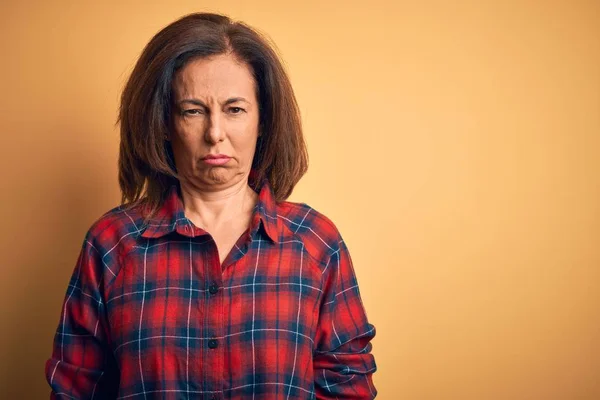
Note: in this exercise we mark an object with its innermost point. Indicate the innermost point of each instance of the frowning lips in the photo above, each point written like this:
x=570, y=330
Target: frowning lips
x=216, y=159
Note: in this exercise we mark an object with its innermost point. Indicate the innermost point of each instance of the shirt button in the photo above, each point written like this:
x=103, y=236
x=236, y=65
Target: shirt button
x=214, y=288
x=212, y=344
x=186, y=228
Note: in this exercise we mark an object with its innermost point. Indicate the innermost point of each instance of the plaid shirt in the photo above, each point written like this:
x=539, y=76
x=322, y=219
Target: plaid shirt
x=150, y=312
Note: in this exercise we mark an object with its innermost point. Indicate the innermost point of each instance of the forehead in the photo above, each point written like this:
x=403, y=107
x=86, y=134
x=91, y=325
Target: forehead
x=218, y=76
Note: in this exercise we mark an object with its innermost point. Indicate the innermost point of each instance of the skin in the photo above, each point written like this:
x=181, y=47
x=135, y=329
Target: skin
x=210, y=118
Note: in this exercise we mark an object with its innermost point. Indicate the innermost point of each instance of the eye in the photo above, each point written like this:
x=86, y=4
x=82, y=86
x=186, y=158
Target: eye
x=236, y=110
x=193, y=111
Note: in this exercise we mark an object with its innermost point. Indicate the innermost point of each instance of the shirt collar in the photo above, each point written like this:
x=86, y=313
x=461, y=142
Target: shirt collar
x=171, y=216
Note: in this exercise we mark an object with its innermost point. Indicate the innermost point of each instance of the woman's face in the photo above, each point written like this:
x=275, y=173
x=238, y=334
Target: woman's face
x=215, y=112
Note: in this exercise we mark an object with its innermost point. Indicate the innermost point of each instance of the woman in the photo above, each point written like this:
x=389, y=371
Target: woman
x=205, y=283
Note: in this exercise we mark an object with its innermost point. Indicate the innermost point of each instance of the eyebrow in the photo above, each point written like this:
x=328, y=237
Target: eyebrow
x=201, y=103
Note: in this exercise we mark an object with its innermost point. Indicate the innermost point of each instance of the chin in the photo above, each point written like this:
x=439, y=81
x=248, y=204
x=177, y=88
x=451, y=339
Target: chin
x=218, y=176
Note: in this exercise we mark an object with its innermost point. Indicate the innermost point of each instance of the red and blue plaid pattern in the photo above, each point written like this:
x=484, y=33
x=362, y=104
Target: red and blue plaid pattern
x=150, y=312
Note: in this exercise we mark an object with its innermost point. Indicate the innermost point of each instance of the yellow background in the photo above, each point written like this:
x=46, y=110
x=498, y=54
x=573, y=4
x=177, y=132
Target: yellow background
x=454, y=143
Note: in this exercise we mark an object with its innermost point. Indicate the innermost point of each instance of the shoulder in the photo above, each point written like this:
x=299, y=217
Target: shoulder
x=117, y=227
x=317, y=232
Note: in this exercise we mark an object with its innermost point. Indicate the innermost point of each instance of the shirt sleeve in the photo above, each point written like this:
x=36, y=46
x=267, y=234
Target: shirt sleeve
x=342, y=361
x=79, y=367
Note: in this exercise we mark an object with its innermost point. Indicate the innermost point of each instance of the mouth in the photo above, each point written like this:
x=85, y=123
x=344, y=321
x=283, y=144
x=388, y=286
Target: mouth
x=216, y=159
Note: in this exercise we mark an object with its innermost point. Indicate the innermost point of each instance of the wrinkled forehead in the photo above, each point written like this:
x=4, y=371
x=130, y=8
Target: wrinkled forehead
x=214, y=77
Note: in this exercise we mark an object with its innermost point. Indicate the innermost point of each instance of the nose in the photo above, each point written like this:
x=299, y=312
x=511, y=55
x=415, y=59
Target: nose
x=215, y=131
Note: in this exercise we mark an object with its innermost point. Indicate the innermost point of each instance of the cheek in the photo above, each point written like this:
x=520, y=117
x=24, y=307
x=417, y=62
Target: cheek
x=185, y=147
x=244, y=142
x=185, y=136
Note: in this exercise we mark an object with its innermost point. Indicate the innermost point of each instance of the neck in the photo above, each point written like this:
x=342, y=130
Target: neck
x=215, y=208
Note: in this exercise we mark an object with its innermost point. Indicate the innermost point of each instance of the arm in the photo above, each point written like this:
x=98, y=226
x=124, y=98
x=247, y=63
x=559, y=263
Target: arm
x=79, y=367
x=343, y=363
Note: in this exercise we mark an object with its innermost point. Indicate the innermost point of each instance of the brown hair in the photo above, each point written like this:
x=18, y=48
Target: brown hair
x=146, y=163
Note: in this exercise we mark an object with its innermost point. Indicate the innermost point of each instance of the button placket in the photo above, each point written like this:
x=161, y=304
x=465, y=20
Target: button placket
x=213, y=329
